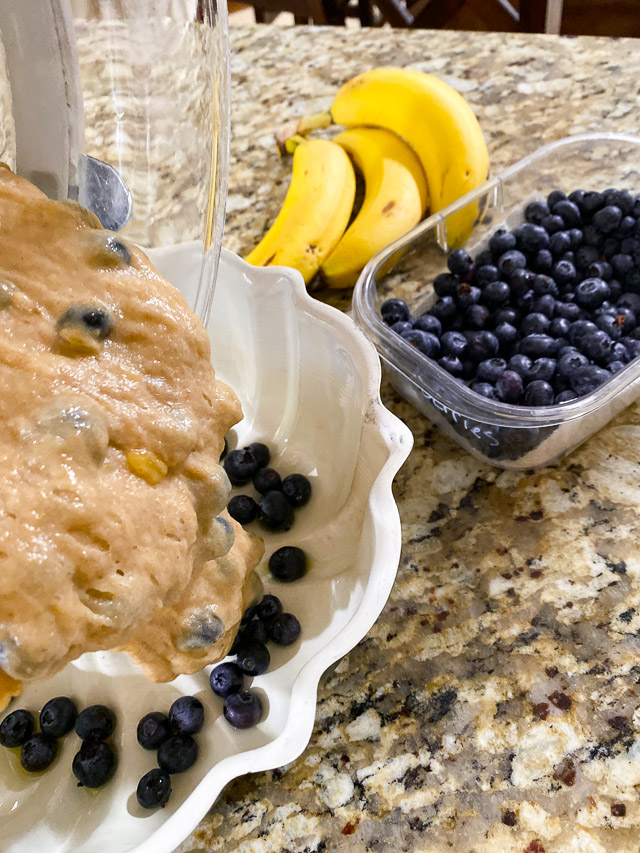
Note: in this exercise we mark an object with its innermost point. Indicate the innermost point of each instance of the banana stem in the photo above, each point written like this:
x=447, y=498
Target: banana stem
x=302, y=127
x=292, y=143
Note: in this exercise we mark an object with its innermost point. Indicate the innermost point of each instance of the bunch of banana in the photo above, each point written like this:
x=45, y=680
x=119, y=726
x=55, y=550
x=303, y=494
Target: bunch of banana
x=415, y=141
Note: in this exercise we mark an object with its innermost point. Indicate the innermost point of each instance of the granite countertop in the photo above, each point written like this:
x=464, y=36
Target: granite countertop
x=495, y=705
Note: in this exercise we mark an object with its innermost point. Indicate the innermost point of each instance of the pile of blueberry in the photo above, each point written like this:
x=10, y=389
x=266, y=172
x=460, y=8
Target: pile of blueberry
x=172, y=736
x=278, y=497
x=261, y=623
x=545, y=314
x=95, y=763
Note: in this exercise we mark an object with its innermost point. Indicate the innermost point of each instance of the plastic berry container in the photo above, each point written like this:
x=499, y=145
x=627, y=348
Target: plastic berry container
x=501, y=434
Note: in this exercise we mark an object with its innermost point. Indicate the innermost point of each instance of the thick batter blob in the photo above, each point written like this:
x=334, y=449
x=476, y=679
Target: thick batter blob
x=112, y=525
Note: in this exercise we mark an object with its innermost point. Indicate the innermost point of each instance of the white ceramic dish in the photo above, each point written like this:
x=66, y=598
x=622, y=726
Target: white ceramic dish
x=309, y=383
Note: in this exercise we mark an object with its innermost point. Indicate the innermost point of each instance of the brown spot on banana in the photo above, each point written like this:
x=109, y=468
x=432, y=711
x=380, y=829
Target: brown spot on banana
x=388, y=206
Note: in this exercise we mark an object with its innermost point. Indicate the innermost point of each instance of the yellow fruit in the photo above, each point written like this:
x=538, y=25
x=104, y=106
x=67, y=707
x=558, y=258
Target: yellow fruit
x=394, y=202
x=148, y=465
x=437, y=123
x=315, y=212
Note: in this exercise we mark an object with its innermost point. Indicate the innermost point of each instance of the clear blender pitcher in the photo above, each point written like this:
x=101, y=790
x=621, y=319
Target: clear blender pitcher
x=123, y=106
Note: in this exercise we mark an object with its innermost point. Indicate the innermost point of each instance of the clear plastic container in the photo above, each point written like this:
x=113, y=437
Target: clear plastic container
x=498, y=433
x=123, y=105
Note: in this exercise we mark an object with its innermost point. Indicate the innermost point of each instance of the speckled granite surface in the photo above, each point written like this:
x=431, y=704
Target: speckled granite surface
x=495, y=705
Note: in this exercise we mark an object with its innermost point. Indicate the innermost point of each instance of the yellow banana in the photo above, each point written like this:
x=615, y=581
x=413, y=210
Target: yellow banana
x=395, y=200
x=315, y=212
x=437, y=123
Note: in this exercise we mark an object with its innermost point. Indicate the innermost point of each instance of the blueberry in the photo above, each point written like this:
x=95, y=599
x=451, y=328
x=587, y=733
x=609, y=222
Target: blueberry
x=632, y=347
x=577, y=196
x=566, y=396
x=153, y=729
x=538, y=393
x=511, y=261
x=402, y=326
x=553, y=223
x=424, y=342
x=568, y=212
x=444, y=309
x=544, y=305
x=521, y=282
x=510, y=387
x=482, y=345
x=591, y=202
x=531, y=237
x=592, y=292
x=177, y=754
x=491, y=369
x=543, y=285
x=559, y=243
x=559, y=327
x=618, y=353
x=596, y=345
x=534, y=324
x=626, y=319
x=610, y=325
x=539, y=346
x=267, y=480
x=460, y=262
x=567, y=310
x=154, y=789
x=554, y=197
x=536, y=211
x=502, y=241
x=261, y=453
x=630, y=301
x=254, y=658
x=284, y=629
x=96, y=722
x=97, y=322
x=451, y=364
x=226, y=678
x=445, y=284
x=632, y=280
x=477, y=316
x=392, y=311
x=506, y=334
x=586, y=379
x=240, y=466
x=564, y=273
x=297, y=490
x=243, y=710
x=599, y=269
x=268, y=608
x=615, y=366
x=483, y=258
x=496, y=293
x=579, y=329
x=274, y=511
x=16, y=728
x=607, y=218
x=467, y=295
x=38, y=752
x=543, y=261
x=626, y=226
x=288, y=563
x=520, y=363
x=486, y=274
x=507, y=315
x=253, y=632
x=585, y=256
x=576, y=236
x=621, y=265
x=631, y=245
x=186, y=715
x=428, y=323
x=622, y=199
x=485, y=389
x=58, y=716
x=243, y=509
x=541, y=369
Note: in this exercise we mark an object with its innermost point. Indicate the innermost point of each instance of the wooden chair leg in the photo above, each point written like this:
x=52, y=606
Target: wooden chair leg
x=533, y=16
